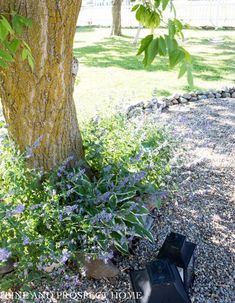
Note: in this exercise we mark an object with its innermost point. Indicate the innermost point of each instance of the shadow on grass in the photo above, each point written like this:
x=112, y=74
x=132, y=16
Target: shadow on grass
x=120, y=52
x=116, y=52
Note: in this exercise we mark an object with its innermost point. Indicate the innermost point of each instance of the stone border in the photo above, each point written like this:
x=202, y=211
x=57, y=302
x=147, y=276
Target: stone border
x=155, y=105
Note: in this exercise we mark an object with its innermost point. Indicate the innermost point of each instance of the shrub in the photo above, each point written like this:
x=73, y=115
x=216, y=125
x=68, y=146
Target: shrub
x=52, y=220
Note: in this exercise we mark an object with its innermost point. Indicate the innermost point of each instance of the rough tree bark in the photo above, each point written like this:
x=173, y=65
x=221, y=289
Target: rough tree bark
x=39, y=104
x=116, y=12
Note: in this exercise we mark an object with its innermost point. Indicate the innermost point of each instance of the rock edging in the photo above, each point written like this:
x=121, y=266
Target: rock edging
x=156, y=105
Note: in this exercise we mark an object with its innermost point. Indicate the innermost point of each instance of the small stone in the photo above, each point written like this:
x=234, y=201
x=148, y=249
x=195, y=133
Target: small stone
x=154, y=101
x=135, y=112
x=213, y=91
x=226, y=95
x=7, y=268
x=176, y=96
x=233, y=95
x=168, y=102
x=218, y=95
x=139, y=104
x=149, y=110
x=193, y=94
x=50, y=268
x=174, y=101
x=211, y=96
x=201, y=97
x=187, y=96
x=193, y=99
x=98, y=269
x=183, y=100
x=225, y=89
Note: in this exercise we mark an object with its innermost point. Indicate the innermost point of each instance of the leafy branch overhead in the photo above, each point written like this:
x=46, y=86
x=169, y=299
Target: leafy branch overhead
x=151, y=15
x=10, y=41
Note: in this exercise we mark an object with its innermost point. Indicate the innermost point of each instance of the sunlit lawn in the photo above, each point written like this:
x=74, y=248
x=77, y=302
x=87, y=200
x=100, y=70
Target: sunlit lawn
x=110, y=73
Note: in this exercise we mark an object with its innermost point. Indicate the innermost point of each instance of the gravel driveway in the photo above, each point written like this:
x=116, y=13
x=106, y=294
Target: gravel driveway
x=203, y=207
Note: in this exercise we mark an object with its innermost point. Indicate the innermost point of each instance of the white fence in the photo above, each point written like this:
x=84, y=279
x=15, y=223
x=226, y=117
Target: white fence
x=217, y=13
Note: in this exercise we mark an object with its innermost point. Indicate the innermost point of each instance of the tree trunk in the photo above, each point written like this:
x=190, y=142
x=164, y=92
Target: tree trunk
x=38, y=105
x=116, y=12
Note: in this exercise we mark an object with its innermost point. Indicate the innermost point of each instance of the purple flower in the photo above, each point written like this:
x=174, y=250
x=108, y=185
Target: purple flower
x=19, y=209
x=137, y=177
x=103, y=216
x=119, y=227
x=35, y=206
x=106, y=257
x=133, y=207
x=105, y=196
x=123, y=182
x=71, y=158
x=138, y=156
x=107, y=168
x=70, y=192
x=26, y=241
x=69, y=209
x=4, y=254
x=65, y=256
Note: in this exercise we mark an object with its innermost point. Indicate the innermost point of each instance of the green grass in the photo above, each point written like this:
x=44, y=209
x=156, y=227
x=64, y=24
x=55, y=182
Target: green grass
x=111, y=74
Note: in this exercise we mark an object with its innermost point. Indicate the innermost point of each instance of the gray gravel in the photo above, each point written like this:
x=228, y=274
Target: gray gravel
x=201, y=207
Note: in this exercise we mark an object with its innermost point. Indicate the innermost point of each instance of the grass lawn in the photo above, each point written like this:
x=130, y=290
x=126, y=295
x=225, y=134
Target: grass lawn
x=111, y=74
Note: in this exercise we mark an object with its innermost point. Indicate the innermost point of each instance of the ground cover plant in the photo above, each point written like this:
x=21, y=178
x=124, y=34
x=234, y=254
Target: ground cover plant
x=50, y=221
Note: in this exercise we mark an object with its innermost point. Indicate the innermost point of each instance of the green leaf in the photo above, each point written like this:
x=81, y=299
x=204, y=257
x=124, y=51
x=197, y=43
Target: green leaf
x=171, y=29
x=171, y=44
x=152, y=51
x=113, y=201
x=31, y=62
x=25, y=21
x=131, y=217
x=188, y=57
x=154, y=20
x=142, y=210
x=183, y=70
x=24, y=54
x=17, y=25
x=144, y=44
x=7, y=25
x=140, y=13
x=3, y=31
x=157, y=3
x=123, y=248
x=143, y=233
x=13, y=45
x=3, y=64
x=164, y=4
x=6, y=56
x=134, y=8
x=190, y=76
x=178, y=24
x=162, y=46
x=176, y=56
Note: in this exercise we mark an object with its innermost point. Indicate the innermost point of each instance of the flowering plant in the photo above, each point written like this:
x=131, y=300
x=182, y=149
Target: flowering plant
x=52, y=221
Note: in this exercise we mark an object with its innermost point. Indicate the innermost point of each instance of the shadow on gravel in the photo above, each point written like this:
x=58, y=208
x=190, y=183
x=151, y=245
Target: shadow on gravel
x=203, y=207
